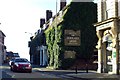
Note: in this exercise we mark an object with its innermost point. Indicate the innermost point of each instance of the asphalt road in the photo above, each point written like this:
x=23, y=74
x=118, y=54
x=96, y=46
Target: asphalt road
x=35, y=75
x=39, y=73
x=6, y=73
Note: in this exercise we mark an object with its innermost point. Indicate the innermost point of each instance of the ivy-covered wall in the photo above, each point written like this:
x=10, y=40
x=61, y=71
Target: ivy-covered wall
x=78, y=16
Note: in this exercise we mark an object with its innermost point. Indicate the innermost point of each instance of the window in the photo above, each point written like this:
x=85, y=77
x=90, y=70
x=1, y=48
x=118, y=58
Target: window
x=107, y=9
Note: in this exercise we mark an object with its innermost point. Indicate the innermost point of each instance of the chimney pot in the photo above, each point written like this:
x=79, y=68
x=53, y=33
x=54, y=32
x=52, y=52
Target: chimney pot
x=48, y=14
x=42, y=22
x=62, y=4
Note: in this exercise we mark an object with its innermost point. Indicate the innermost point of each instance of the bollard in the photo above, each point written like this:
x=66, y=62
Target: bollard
x=86, y=68
x=76, y=69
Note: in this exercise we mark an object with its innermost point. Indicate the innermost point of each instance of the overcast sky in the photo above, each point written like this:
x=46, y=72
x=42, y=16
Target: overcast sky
x=20, y=16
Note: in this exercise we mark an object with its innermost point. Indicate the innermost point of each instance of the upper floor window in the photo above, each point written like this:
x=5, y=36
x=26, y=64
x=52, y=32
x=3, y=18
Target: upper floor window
x=107, y=9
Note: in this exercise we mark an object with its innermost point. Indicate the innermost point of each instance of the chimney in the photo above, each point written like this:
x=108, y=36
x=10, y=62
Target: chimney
x=48, y=14
x=62, y=4
x=42, y=22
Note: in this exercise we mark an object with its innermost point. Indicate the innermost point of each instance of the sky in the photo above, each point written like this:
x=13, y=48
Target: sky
x=20, y=16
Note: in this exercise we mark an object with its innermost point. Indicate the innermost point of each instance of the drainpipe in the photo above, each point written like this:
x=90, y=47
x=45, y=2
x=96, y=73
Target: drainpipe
x=117, y=38
x=117, y=48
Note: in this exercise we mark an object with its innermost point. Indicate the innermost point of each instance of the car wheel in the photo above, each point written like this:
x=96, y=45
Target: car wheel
x=30, y=71
x=12, y=68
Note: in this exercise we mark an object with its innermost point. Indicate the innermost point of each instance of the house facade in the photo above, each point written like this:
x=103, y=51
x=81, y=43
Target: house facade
x=70, y=35
x=2, y=48
x=38, y=48
x=66, y=37
x=108, y=32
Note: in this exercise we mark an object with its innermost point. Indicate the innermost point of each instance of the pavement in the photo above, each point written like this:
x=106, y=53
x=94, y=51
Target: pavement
x=80, y=74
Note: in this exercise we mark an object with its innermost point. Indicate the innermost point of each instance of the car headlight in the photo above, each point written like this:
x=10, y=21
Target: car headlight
x=29, y=65
x=16, y=64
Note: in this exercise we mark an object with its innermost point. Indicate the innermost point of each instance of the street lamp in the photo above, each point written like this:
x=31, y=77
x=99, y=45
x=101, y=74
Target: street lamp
x=29, y=45
x=29, y=33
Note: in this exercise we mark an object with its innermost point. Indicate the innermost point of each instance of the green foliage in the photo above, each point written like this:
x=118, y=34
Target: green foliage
x=79, y=16
x=53, y=46
x=50, y=37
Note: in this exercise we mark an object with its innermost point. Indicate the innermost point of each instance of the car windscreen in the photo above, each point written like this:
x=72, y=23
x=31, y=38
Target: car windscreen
x=21, y=60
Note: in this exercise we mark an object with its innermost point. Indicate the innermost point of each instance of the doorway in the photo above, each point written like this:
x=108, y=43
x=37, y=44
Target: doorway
x=107, y=52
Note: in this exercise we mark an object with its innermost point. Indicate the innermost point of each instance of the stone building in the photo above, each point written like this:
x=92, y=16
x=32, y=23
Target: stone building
x=108, y=32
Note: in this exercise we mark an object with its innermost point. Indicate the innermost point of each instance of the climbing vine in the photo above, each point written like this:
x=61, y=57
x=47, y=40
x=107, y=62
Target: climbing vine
x=79, y=16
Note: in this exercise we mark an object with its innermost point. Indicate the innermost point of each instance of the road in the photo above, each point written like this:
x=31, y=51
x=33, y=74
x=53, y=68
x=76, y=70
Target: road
x=35, y=75
x=49, y=74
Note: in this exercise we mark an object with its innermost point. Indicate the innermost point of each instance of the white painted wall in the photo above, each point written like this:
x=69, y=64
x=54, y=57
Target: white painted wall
x=99, y=11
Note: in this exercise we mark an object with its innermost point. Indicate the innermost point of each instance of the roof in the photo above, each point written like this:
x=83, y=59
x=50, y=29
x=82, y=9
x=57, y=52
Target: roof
x=2, y=33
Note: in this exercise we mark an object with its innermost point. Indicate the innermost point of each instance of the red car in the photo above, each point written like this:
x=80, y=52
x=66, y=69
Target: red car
x=21, y=64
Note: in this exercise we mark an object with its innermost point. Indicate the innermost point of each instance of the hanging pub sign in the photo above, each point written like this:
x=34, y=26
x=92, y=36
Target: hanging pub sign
x=72, y=38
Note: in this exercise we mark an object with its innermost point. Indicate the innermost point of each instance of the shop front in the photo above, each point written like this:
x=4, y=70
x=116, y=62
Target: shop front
x=108, y=45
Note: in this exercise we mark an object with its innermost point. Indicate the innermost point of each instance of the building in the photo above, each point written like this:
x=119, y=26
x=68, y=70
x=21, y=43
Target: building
x=65, y=37
x=38, y=49
x=2, y=47
x=108, y=32
x=70, y=35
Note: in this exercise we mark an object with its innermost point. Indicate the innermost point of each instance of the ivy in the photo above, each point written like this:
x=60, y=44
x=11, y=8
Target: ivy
x=78, y=16
x=50, y=37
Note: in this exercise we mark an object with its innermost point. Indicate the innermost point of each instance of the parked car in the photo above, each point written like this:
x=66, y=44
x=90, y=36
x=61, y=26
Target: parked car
x=15, y=55
x=10, y=55
x=21, y=64
x=11, y=60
